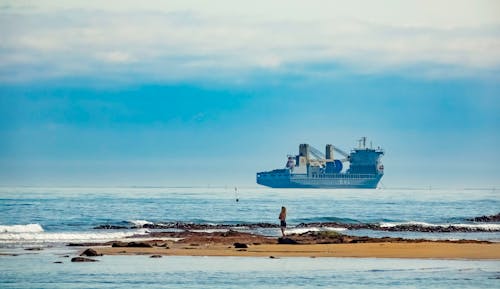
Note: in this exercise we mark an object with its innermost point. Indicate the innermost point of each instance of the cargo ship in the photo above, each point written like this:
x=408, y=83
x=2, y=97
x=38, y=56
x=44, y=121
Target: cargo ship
x=311, y=168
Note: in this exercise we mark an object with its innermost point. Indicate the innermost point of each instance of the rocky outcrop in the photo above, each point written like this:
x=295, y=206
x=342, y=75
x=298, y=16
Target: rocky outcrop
x=401, y=227
x=287, y=241
x=110, y=227
x=83, y=259
x=188, y=226
x=240, y=245
x=132, y=244
x=176, y=227
x=433, y=229
x=90, y=253
x=329, y=237
x=486, y=219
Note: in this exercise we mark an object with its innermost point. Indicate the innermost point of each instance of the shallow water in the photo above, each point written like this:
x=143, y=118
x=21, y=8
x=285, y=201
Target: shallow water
x=237, y=272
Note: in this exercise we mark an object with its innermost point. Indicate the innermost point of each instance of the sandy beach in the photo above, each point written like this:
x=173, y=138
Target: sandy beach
x=433, y=250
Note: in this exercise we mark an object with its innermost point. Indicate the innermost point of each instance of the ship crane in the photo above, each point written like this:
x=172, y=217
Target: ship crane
x=343, y=153
x=317, y=153
x=322, y=158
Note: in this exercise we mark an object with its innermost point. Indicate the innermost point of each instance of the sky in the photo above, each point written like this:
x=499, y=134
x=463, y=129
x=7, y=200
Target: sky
x=196, y=93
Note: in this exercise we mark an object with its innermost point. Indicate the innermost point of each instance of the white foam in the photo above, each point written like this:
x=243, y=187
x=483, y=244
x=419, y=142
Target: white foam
x=312, y=229
x=490, y=227
x=140, y=223
x=411, y=223
x=334, y=229
x=487, y=227
x=49, y=237
x=210, y=231
x=300, y=230
x=29, y=228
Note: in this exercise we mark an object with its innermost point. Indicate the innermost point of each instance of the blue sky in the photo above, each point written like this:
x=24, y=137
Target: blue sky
x=180, y=93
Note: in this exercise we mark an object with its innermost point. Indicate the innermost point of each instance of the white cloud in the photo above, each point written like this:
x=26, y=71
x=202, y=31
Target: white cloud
x=175, y=40
x=115, y=57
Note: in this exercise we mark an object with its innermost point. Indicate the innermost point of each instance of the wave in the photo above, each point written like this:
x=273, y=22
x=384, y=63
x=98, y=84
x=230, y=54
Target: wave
x=211, y=231
x=313, y=229
x=29, y=228
x=485, y=227
x=140, y=223
x=45, y=237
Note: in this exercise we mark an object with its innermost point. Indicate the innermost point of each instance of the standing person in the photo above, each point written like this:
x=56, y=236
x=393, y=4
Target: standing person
x=282, y=218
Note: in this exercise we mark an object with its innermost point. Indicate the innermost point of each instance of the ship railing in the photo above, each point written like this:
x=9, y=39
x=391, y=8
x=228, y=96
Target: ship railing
x=333, y=176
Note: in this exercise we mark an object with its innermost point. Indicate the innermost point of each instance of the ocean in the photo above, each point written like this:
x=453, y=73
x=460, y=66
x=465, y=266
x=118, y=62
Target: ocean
x=48, y=218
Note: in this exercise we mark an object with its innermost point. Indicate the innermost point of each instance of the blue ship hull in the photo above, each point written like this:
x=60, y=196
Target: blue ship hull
x=336, y=181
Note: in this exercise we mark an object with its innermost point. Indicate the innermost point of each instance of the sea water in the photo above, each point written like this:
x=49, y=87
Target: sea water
x=45, y=215
x=39, y=271
x=49, y=218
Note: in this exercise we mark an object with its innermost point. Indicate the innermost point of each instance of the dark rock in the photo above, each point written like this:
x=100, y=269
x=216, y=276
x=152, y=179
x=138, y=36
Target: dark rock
x=34, y=249
x=139, y=245
x=110, y=227
x=242, y=250
x=240, y=245
x=230, y=233
x=57, y=262
x=88, y=244
x=155, y=256
x=82, y=259
x=90, y=253
x=286, y=241
x=132, y=245
x=486, y=219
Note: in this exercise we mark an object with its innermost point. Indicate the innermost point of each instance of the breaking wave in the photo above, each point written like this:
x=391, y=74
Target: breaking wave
x=34, y=233
x=312, y=229
x=29, y=228
x=482, y=227
x=140, y=223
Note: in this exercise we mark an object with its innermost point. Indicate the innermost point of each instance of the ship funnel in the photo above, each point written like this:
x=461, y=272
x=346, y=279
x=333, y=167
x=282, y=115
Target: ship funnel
x=329, y=152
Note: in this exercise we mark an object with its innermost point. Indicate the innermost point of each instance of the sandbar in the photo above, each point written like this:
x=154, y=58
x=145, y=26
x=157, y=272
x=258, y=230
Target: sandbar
x=424, y=250
x=309, y=245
